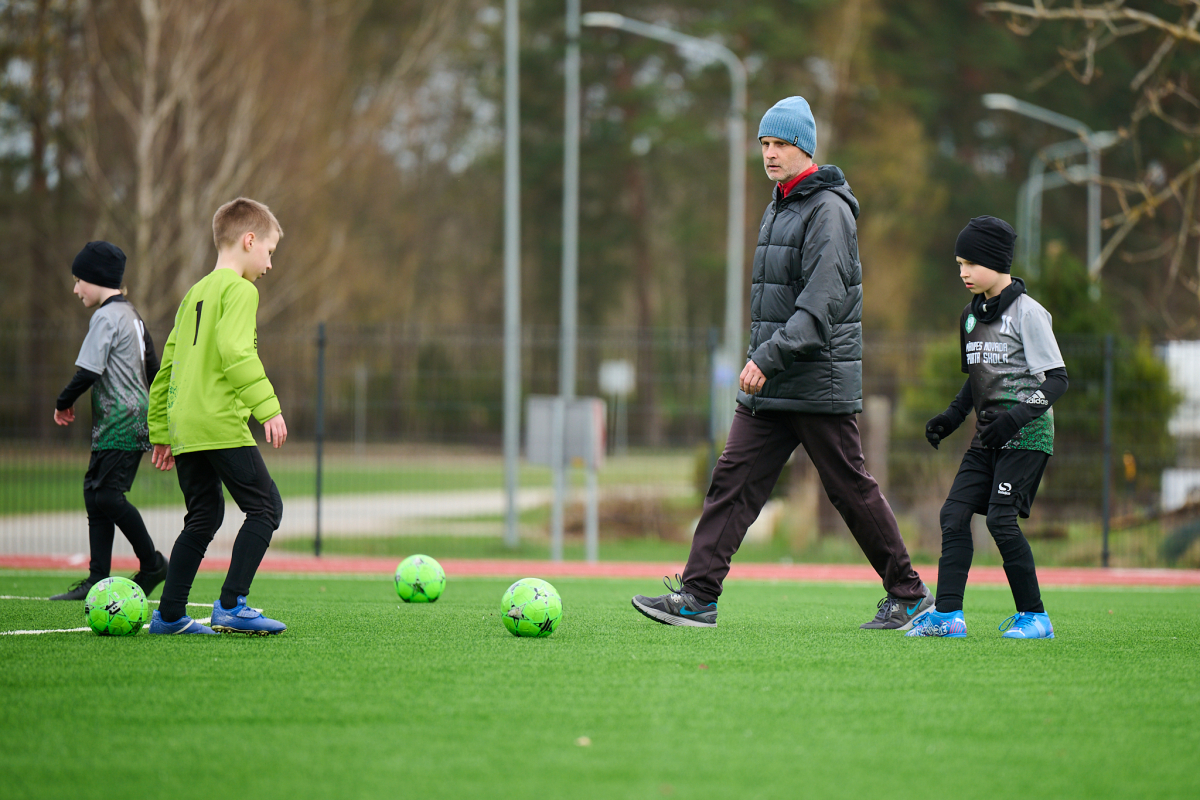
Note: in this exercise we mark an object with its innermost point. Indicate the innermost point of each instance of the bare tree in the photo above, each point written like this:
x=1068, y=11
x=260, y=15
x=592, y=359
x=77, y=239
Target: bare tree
x=195, y=102
x=1162, y=92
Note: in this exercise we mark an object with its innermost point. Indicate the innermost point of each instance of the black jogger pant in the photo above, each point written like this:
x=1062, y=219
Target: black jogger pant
x=109, y=476
x=1001, y=484
x=755, y=452
x=201, y=474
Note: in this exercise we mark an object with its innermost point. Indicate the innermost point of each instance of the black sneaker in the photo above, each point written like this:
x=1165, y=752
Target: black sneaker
x=896, y=614
x=77, y=592
x=677, y=608
x=148, y=580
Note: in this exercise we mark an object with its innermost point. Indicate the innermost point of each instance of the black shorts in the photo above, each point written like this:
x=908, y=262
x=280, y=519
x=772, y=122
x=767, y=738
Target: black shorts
x=112, y=469
x=998, y=477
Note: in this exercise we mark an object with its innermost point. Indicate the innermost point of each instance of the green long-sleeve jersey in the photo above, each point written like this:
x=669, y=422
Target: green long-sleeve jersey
x=211, y=379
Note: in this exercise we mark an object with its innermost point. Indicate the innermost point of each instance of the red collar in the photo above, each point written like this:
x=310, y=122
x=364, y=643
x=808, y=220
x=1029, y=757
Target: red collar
x=786, y=188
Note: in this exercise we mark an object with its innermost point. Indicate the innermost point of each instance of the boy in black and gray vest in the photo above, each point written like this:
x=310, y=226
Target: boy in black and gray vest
x=1016, y=373
x=117, y=362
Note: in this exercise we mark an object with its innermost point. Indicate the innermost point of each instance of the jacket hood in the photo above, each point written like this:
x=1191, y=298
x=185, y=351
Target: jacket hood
x=988, y=309
x=827, y=178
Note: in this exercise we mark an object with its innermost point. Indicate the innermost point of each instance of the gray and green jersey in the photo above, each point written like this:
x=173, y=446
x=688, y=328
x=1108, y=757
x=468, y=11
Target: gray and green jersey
x=1007, y=360
x=115, y=349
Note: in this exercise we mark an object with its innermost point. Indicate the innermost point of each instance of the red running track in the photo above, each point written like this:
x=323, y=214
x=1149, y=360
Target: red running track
x=500, y=568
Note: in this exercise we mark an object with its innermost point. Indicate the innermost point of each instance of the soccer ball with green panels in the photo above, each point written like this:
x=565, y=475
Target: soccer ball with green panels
x=116, y=607
x=531, y=607
x=420, y=579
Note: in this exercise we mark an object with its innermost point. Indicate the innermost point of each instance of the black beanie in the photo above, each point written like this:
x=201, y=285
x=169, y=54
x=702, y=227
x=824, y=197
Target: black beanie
x=100, y=263
x=987, y=241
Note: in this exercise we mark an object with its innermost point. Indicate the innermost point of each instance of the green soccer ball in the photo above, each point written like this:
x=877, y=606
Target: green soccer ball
x=116, y=607
x=420, y=579
x=531, y=607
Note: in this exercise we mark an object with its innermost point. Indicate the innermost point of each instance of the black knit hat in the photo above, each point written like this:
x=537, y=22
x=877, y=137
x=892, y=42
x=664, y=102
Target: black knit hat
x=100, y=263
x=987, y=241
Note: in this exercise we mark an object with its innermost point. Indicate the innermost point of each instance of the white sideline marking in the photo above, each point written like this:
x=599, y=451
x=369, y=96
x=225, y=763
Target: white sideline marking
x=16, y=597
x=204, y=621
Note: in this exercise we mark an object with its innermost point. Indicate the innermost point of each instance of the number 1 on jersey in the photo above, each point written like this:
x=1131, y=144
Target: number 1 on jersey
x=199, y=309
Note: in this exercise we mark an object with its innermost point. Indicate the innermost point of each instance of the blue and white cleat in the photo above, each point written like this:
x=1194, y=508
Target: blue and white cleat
x=949, y=625
x=184, y=624
x=1028, y=625
x=243, y=619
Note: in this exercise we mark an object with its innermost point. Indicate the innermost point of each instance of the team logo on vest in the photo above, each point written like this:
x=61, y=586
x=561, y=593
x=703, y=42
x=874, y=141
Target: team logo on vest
x=1004, y=489
x=970, y=323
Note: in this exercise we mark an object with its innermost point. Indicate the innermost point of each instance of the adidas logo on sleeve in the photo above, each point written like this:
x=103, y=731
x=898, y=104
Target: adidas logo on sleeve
x=1037, y=399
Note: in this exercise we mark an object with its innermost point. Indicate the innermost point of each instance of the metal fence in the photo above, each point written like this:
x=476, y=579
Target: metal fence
x=413, y=420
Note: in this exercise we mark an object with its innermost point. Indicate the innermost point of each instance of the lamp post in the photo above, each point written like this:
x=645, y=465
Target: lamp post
x=736, y=221
x=1092, y=143
x=1029, y=196
x=512, y=272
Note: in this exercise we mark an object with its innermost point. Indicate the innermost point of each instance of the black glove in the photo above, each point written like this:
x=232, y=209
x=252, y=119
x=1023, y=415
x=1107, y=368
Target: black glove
x=1000, y=426
x=941, y=426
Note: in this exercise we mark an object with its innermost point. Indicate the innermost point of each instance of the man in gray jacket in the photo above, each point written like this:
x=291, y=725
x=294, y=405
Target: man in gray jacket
x=802, y=385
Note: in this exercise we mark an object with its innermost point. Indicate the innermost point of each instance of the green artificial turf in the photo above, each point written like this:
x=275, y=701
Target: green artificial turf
x=366, y=697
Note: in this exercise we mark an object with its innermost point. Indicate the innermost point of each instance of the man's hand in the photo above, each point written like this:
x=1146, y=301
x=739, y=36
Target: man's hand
x=276, y=430
x=162, y=458
x=64, y=417
x=751, y=380
x=1000, y=426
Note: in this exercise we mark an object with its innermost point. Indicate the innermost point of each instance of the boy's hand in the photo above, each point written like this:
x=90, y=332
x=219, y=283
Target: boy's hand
x=64, y=417
x=1000, y=426
x=276, y=430
x=162, y=458
x=752, y=379
x=939, y=428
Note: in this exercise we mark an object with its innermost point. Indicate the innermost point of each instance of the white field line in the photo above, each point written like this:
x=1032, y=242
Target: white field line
x=77, y=630
x=204, y=621
x=15, y=597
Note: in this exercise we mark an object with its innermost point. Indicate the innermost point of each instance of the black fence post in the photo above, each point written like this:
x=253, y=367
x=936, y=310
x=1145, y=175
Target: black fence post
x=712, y=400
x=1108, y=414
x=320, y=428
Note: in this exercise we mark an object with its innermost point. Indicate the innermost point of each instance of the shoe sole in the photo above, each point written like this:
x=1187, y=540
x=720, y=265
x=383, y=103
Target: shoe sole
x=867, y=626
x=670, y=619
x=1028, y=638
x=227, y=629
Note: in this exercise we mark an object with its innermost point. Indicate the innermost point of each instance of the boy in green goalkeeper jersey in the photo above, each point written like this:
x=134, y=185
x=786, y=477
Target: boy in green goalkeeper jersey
x=210, y=383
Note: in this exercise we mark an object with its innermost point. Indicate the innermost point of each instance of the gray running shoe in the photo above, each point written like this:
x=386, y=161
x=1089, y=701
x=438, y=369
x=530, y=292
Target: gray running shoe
x=896, y=614
x=677, y=607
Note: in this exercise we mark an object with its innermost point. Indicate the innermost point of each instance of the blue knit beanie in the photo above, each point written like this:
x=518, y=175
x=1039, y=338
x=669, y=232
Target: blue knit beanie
x=791, y=120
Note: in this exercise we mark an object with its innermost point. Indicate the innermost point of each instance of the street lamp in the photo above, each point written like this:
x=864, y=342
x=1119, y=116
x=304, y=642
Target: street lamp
x=735, y=225
x=1092, y=142
x=1029, y=196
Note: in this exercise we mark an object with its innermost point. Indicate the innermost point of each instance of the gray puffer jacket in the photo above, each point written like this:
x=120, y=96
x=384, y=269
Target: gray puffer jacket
x=806, y=300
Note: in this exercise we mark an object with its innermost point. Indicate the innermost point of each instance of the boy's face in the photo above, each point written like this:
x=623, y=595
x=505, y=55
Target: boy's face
x=782, y=160
x=258, y=252
x=977, y=278
x=89, y=293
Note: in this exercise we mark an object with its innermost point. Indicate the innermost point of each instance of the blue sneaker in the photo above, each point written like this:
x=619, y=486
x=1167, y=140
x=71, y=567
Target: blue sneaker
x=949, y=625
x=184, y=624
x=243, y=619
x=1028, y=625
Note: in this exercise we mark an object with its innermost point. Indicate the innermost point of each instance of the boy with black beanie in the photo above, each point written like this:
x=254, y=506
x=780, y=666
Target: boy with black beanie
x=1015, y=373
x=117, y=362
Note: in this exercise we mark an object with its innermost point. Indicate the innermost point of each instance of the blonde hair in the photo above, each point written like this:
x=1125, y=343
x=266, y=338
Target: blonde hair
x=237, y=217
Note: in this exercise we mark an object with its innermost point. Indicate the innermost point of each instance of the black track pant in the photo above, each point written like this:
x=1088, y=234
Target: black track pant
x=201, y=474
x=755, y=452
x=1001, y=484
x=109, y=476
